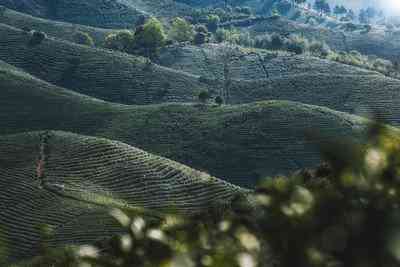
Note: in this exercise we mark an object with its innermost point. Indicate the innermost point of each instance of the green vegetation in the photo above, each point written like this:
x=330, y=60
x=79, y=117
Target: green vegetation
x=120, y=41
x=278, y=96
x=36, y=38
x=181, y=31
x=202, y=35
x=83, y=38
x=204, y=96
x=213, y=22
x=149, y=38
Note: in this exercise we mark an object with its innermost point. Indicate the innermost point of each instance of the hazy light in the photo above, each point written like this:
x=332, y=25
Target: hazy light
x=391, y=6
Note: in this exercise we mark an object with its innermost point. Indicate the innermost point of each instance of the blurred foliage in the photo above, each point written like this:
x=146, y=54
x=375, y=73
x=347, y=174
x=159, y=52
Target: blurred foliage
x=343, y=213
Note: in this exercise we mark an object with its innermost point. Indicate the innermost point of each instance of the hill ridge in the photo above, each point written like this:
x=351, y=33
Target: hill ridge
x=80, y=179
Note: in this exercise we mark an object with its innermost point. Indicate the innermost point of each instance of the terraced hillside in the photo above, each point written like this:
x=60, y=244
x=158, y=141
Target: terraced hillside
x=377, y=42
x=61, y=30
x=261, y=139
x=99, y=13
x=105, y=74
x=127, y=79
x=70, y=183
x=209, y=61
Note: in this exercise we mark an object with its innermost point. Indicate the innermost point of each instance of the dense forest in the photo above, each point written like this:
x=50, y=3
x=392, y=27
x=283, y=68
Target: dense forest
x=198, y=133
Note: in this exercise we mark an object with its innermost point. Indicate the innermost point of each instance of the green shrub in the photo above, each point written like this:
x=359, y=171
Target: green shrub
x=245, y=39
x=150, y=37
x=218, y=100
x=200, y=38
x=295, y=48
x=181, y=30
x=213, y=22
x=120, y=41
x=320, y=49
x=204, y=96
x=227, y=35
x=262, y=41
x=37, y=38
x=202, y=35
x=277, y=41
x=382, y=65
x=83, y=38
x=297, y=44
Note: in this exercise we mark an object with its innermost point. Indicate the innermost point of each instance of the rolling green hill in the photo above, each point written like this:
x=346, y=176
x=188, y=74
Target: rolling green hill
x=261, y=75
x=61, y=30
x=238, y=143
x=105, y=74
x=69, y=183
x=126, y=79
x=97, y=13
x=249, y=64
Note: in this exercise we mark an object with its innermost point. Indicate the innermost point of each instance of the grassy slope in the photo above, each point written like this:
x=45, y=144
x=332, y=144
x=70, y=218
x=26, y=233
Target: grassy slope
x=249, y=64
x=238, y=143
x=57, y=29
x=84, y=177
x=105, y=74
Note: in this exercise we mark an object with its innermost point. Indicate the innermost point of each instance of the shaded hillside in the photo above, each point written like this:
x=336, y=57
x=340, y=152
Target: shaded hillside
x=105, y=74
x=377, y=42
x=238, y=143
x=98, y=13
x=69, y=183
x=57, y=29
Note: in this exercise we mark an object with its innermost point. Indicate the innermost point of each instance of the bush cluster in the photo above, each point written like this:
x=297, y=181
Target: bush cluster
x=146, y=40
